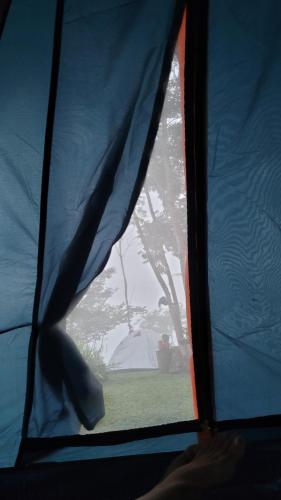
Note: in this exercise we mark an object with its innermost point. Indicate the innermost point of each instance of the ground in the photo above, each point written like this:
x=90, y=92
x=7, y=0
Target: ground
x=139, y=399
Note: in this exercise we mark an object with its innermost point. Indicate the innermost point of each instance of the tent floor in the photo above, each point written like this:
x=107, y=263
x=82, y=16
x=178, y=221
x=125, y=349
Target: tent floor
x=125, y=478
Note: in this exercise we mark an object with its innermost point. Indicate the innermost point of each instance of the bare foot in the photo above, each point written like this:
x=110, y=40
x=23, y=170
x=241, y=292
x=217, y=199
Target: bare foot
x=200, y=467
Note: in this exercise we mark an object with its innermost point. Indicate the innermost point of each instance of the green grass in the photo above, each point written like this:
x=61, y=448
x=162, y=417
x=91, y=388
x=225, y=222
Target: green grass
x=139, y=399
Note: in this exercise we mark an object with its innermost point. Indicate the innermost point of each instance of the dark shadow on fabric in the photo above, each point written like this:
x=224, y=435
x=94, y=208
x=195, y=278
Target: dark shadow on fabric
x=62, y=363
x=124, y=478
x=80, y=247
x=4, y=10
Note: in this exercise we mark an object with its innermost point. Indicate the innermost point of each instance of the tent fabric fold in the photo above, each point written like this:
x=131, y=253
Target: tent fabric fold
x=24, y=93
x=69, y=370
x=113, y=67
x=114, y=64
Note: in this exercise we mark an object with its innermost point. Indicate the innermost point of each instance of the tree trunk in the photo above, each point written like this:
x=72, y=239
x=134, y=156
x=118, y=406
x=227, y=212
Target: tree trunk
x=175, y=307
x=128, y=312
x=168, y=295
x=180, y=242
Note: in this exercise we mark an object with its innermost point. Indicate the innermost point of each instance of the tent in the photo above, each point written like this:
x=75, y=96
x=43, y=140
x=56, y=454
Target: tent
x=137, y=351
x=81, y=91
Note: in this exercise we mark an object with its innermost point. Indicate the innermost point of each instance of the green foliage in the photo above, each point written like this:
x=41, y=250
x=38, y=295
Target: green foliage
x=95, y=316
x=93, y=357
x=159, y=321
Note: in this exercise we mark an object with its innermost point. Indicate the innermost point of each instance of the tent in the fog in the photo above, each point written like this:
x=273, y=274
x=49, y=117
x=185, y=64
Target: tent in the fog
x=137, y=351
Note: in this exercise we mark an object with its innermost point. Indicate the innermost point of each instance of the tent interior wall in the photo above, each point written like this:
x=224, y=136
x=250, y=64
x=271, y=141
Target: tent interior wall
x=82, y=88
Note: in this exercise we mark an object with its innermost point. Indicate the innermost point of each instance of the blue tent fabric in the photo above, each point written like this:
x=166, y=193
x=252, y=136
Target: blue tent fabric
x=24, y=93
x=164, y=444
x=110, y=72
x=13, y=368
x=67, y=393
x=244, y=210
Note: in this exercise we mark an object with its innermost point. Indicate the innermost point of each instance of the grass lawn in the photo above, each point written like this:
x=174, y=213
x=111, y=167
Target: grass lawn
x=139, y=399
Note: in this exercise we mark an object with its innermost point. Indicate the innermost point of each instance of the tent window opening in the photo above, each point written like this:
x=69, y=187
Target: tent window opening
x=131, y=324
